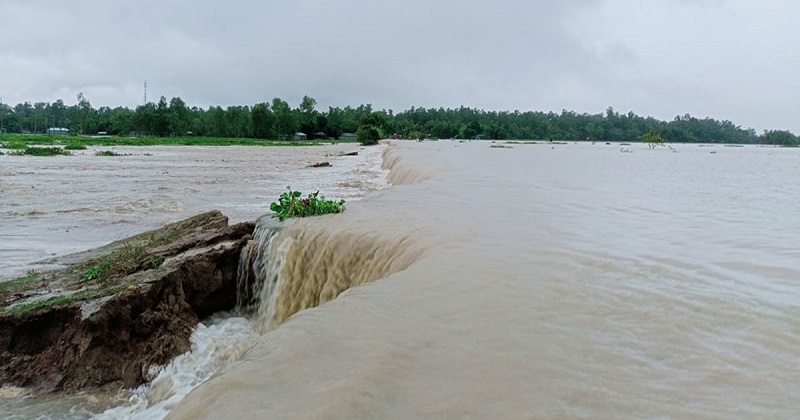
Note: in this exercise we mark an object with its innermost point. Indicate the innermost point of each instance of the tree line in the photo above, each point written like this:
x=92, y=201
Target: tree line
x=277, y=119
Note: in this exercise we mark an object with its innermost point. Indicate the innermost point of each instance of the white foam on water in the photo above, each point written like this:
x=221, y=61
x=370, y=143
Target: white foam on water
x=214, y=344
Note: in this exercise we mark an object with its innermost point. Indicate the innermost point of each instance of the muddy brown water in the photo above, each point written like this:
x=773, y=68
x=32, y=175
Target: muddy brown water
x=569, y=280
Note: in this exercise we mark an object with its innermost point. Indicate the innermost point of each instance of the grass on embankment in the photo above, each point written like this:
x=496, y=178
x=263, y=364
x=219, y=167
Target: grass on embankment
x=75, y=142
x=104, y=274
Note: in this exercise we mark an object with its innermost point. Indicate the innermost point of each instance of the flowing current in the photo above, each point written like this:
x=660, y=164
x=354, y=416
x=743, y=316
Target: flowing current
x=530, y=281
x=55, y=206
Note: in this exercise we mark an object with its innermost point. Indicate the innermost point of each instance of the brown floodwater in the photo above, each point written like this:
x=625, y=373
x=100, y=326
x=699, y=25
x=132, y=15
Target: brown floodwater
x=536, y=280
x=58, y=205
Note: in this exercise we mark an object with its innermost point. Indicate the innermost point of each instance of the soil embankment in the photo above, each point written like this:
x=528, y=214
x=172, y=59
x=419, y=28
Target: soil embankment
x=112, y=314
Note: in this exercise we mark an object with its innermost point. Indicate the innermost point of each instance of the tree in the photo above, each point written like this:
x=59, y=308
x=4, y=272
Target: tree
x=368, y=135
x=121, y=121
x=39, y=116
x=652, y=139
x=215, y=124
x=58, y=113
x=2, y=111
x=308, y=116
x=240, y=122
x=144, y=119
x=263, y=121
x=84, y=109
x=780, y=137
x=24, y=113
x=178, y=117
x=160, y=125
x=284, y=123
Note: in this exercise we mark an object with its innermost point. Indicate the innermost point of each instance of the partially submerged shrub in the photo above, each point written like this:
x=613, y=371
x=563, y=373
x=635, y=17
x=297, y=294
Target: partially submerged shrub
x=106, y=153
x=41, y=151
x=368, y=135
x=291, y=204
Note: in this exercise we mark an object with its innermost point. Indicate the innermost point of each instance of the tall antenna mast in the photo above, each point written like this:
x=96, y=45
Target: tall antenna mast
x=145, y=92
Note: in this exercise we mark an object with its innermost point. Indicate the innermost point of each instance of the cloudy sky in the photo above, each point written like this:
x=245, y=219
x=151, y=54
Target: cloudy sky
x=728, y=59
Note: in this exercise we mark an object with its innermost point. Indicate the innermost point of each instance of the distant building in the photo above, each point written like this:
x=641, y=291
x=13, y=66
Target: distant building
x=299, y=136
x=58, y=131
x=348, y=136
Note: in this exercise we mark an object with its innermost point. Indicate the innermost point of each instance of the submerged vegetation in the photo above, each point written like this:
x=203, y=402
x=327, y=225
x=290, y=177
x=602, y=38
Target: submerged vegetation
x=41, y=151
x=109, y=153
x=652, y=139
x=291, y=204
x=74, y=145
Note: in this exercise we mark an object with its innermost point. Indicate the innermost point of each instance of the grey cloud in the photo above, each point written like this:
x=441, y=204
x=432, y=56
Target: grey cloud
x=730, y=59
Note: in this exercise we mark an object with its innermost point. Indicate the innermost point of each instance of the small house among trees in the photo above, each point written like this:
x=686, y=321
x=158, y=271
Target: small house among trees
x=58, y=131
x=299, y=136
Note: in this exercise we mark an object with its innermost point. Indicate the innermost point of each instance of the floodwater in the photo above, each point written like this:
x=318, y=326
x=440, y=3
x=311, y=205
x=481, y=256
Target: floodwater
x=532, y=281
x=59, y=205
x=550, y=281
x=54, y=206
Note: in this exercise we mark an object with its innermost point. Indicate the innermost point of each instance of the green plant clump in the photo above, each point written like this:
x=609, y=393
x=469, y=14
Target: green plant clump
x=291, y=204
x=652, y=139
x=41, y=151
x=96, y=272
x=106, y=153
x=368, y=135
x=74, y=145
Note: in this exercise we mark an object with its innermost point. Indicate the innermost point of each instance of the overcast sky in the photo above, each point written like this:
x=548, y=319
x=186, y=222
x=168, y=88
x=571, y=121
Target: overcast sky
x=728, y=59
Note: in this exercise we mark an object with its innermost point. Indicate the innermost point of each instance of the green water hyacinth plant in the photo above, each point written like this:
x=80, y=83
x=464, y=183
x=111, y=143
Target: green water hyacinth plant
x=292, y=204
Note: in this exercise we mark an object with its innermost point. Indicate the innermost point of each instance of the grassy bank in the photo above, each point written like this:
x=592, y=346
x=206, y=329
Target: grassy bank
x=78, y=141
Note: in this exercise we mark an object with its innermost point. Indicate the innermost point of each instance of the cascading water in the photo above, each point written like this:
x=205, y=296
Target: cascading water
x=304, y=263
x=220, y=341
x=261, y=272
x=301, y=263
x=286, y=267
x=255, y=266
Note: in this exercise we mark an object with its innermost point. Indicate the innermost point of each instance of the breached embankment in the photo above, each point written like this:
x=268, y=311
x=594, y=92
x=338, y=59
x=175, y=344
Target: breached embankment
x=556, y=289
x=146, y=314
x=303, y=263
x=309, y=262
x=112, y=314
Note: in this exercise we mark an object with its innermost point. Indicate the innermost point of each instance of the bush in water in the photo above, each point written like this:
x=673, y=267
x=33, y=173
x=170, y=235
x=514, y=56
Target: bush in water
x=290, y=204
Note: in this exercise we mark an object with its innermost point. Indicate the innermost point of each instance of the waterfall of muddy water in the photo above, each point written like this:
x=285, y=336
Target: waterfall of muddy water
x=550, y=281
x=53, y=206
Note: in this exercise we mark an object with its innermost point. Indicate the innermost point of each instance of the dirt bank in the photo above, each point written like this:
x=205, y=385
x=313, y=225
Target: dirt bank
x=113, y=313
